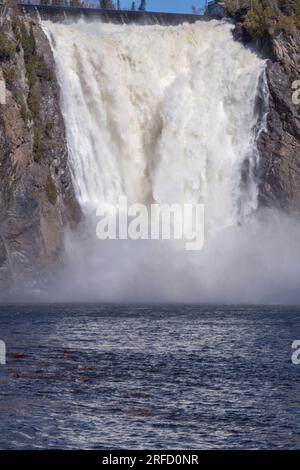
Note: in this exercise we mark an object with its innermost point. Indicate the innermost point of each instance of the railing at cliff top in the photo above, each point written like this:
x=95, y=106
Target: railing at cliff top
x=59, y=13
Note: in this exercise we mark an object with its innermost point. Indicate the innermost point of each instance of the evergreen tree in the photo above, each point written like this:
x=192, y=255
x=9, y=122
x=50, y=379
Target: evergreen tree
x=118, y=5
x=196, y=10
x=108, y=4
x=133, y=6
x=142, y=6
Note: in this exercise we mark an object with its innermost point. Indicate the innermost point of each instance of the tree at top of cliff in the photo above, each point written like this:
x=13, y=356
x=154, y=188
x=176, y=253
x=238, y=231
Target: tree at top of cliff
x=107, y=4
x=262, y=16
x=75, y=3
x=142, y=6
x=57, y=2
x=289, y=7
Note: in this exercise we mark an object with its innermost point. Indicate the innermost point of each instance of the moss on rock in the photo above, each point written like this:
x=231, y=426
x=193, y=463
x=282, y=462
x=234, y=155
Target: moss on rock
x=51, y=190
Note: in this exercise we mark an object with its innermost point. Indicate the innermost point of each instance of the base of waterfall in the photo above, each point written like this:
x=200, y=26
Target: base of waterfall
x=254, y=263
x=182, y=222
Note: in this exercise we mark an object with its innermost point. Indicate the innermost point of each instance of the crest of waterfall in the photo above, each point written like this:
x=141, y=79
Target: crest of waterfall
x=161, y=115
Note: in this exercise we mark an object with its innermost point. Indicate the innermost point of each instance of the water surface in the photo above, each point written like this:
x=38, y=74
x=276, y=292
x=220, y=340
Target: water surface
x=110, y=377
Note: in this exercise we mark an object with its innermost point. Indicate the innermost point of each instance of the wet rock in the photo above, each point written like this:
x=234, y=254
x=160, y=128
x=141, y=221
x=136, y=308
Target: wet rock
x=141, y=412
x=18, y=356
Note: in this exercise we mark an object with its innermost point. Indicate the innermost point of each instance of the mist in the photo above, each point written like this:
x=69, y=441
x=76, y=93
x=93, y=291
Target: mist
x=257, y=263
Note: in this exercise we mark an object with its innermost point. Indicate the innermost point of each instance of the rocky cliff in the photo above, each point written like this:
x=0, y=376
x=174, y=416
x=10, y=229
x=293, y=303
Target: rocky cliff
x=36, y=194
x=280, y=146
x=272, y=28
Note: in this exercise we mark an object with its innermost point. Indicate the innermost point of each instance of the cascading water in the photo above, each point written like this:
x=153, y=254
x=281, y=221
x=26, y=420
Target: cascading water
x=167, y=115
x=159, y=114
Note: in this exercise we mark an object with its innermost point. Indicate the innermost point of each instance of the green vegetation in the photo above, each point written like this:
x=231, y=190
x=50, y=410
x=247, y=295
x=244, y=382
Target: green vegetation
x=142, y=6
x=49, y=129
x=26, y=115
x=35, y=65
x=51, y=190
x=31, y=60
x=44, y=71
x=6, y=49
x=34, y=100
x=110, y=4
x=262, y=16
x=37, y=153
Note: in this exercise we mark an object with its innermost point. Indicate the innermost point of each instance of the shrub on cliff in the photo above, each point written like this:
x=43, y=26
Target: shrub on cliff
x=258, y=19
x=37, y=153
x=6, y=50
x=30, y=57
x=31, y=60
x=108, y=4
x=142, y=6
x=49, y=129
x=262, y=16
x=44, y=71
x=34, y=100
x=51, y=190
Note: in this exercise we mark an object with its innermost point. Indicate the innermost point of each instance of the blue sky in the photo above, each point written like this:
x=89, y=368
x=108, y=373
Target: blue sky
x=178, y=6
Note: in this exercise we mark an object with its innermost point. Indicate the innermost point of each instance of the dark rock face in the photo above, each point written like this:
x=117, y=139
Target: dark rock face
x=36, y=194
x=279, y=147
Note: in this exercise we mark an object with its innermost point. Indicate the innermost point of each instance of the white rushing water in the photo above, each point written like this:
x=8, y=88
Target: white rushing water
x=169, y=115
x=159, y=114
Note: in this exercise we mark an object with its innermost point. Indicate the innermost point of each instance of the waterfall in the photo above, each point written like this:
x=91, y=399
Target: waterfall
x=159, y=114
x=167, y=114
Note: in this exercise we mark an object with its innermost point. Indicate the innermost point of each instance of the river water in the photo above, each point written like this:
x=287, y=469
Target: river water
x=130, y=377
